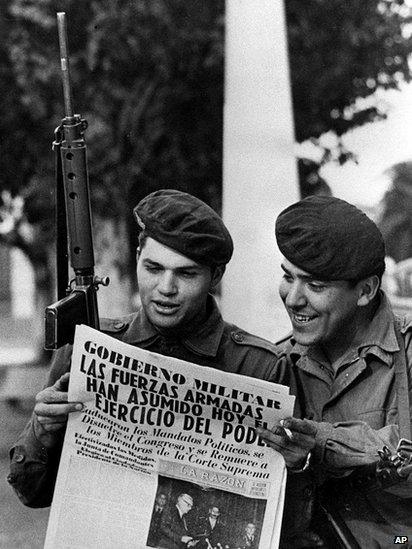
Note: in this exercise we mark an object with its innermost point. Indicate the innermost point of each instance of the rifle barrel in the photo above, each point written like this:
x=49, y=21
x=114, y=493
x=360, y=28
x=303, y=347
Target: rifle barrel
x=64, y=63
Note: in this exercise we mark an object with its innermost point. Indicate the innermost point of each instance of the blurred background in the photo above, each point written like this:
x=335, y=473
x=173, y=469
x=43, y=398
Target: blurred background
x=154, y=79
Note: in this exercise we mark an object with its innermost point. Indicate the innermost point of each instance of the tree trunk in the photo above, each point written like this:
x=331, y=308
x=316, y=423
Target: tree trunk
x=112, y=252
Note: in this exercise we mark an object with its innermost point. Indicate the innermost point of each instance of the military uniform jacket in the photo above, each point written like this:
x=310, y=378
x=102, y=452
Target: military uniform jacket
x=355, y=407
x=215, y=343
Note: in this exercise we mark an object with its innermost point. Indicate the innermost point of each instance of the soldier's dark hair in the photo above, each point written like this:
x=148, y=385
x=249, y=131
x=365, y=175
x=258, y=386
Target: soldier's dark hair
x=142, y=239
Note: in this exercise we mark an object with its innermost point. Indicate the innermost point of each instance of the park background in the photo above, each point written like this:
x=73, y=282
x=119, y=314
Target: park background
x=154, y=79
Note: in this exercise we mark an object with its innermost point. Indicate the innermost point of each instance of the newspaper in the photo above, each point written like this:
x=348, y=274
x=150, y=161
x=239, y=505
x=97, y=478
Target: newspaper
x=157, y=429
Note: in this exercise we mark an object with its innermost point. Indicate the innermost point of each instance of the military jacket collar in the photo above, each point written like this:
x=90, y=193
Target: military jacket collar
x=204, y=340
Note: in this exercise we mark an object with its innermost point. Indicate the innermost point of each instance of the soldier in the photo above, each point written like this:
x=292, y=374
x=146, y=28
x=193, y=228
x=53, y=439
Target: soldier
x=183, y=250
x=344, y=350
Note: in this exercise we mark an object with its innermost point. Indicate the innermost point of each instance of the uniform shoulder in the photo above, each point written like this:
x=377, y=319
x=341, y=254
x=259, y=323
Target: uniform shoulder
x=285, y=343
x=116, y=327
x=241, y=337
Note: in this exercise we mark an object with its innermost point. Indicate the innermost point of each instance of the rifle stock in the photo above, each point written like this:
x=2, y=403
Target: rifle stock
x=79, y=306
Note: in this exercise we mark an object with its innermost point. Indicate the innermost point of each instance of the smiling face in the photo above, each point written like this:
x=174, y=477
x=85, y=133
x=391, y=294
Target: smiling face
x=173, y=289
x=327, y=313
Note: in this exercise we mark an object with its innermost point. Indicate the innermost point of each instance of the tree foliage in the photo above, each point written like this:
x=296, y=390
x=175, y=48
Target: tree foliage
x=148, y=77
x=396, y=216
x=342, y=51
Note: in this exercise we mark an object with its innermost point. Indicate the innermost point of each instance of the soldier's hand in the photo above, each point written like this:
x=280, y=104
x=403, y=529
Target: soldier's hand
x=294, y=439
x=51, y=411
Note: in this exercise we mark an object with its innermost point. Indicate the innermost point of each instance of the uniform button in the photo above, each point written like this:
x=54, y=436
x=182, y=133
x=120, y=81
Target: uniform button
x=11, y=479
x=237, y=336
x=19, y=458
x=118, y=325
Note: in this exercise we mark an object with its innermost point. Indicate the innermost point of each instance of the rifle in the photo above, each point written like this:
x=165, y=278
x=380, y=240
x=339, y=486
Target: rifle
x=77, y=299
x=391, y=469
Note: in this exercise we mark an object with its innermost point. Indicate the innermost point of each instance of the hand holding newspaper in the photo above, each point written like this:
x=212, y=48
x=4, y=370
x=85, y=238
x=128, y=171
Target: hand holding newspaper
x=157, y=426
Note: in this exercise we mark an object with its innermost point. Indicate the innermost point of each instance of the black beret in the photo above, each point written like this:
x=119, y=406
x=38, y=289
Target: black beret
x=185, y=224
x=330, y=239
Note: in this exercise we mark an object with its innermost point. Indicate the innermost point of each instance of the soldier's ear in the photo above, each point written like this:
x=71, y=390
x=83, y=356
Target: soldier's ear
x=368, y=288
x=217, y=273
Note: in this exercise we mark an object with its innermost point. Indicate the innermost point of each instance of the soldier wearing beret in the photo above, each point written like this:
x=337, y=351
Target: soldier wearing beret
x=183, y=249
x=351, y=360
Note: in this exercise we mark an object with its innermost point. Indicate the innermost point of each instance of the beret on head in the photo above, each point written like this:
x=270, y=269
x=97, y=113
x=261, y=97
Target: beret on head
x=185, y=224
x=330, y=239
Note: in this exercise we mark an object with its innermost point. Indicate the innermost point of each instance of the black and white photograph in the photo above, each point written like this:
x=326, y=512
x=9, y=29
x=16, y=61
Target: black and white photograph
x=227, y=183
x=212, y=518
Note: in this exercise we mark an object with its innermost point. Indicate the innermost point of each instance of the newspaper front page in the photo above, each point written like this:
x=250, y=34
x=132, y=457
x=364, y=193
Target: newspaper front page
x=163, y=449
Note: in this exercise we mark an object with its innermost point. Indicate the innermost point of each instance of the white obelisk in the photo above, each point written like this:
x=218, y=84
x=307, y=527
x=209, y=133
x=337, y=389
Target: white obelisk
x=260, y=174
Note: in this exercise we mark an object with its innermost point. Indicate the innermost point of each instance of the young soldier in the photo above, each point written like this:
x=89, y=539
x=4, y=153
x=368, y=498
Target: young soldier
x=343, y=352
x=183, y=249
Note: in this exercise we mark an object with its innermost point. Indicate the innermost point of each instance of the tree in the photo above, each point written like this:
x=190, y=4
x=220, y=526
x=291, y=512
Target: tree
x=342, y=51
x=21, y=159
x=148, y=77
x=396, y=217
